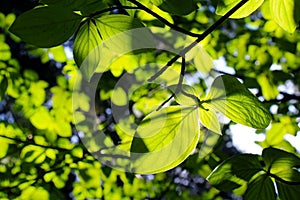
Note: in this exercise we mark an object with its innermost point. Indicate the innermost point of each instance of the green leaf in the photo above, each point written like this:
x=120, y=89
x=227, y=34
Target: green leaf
x=95, y=31
x=41, y=118
x=287, y=191
x=209, y=119
x=228, y=96
x=87, y=39
x=285, y=13
x=46, y=26
x=3, y=87
x=248, y=8
x=168, y=135
x=201, y=59
x=261, y=187
x=4, y=143
x=187, y=97
x=235, y=171
x=31, y=153
x=176, y=7
x=283, y=164
x=5, y=53
x=268, y=88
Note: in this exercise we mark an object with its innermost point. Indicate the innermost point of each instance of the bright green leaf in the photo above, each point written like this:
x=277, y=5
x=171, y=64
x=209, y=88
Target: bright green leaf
x=188, y=97
x=119, y=97
x=228, y=96
x=168, y=135
x=210, y=120
x=269, y=90
x=248, y=8
x=5, y=53
x=4, y=147
x=201, y=59
x=58, y=54
x=77, y=152
x=51, y=26
x=285, y=13
x=261, y=187
x=31, y=153
x=51, y=153
x=91, y=35
x=87, y=39
x=41, y=118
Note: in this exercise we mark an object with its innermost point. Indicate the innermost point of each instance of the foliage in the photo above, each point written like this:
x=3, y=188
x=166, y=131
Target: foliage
x=172, y=127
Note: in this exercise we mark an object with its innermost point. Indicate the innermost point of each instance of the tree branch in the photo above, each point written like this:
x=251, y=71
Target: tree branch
x=199, y=39
x=163, y=20
x=32, y=143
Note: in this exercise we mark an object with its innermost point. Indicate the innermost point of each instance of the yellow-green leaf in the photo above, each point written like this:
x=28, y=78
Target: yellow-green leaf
x=228, y=96
x=168, y=136
x=244, y=11
x=285, y=13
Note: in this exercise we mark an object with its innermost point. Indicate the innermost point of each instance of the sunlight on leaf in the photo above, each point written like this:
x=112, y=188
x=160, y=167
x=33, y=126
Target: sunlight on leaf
x=168, y=135
x=209, y=119
x=228, y=96
x=285, y=13
x=41, y=119
x=244, y=11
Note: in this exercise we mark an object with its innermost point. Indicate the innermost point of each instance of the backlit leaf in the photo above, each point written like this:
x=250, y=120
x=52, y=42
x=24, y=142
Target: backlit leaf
x=210, y=120
x=168, y=135
x=87, y=39
x=4, y=147
x=228, y=96
x=269, y=90
x=41, y=118
x=244, y=11
x=91, y=35
x=285, y=13
x=51, y=26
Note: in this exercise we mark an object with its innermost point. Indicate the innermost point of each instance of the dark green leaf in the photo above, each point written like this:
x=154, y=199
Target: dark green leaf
x=3, y=87
x=228, y=96
x=261, y=187
x=283, y=164
x=287, y=191
x=238, y=169
x=46, y=26
x=176, y=7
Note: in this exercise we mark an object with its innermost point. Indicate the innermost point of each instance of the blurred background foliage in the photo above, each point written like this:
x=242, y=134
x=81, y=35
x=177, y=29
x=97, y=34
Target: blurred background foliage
x=42, y=156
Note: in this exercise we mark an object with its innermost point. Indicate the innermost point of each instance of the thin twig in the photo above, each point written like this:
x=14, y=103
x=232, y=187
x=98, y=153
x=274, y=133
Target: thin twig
x=199, y=39
x=32, y=143
x=163, y=20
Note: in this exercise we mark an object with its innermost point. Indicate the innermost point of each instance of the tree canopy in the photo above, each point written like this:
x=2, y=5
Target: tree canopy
x=127, y=99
